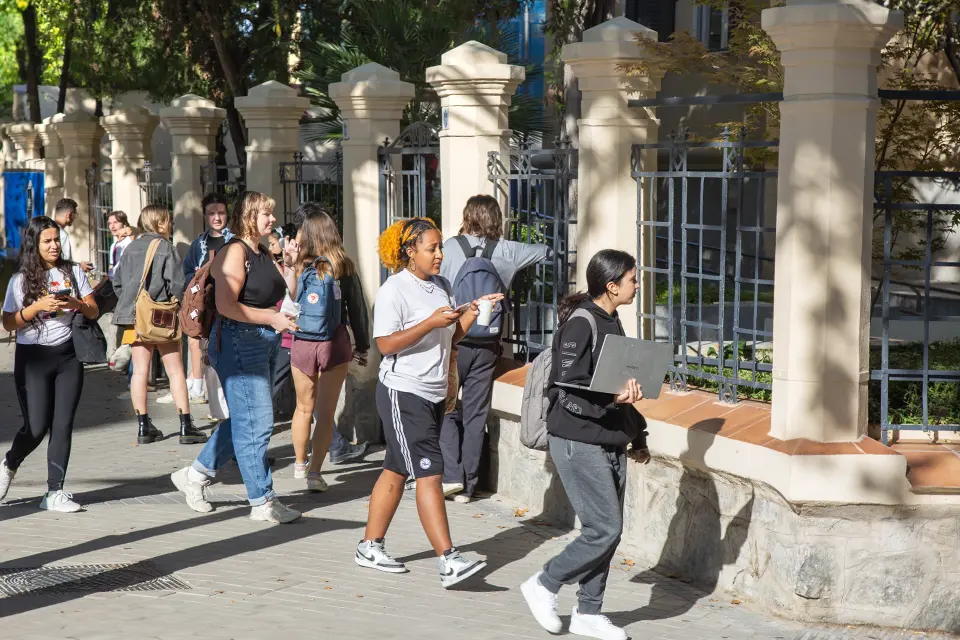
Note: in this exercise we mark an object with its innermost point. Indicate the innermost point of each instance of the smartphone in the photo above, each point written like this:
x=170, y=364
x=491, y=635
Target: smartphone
x=461, y=308
x=61, y=293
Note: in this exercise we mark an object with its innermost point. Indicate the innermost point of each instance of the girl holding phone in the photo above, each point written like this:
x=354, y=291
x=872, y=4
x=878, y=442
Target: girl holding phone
x=42, y=299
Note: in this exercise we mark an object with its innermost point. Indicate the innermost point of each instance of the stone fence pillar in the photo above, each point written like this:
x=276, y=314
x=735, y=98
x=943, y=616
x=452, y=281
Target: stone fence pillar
x=271, y=112
x=371, y=99
x=26, y=139
x=607, y=206
x=821, y=319
x=131, y=132
x=52, y=162
x=475, y=85
x=80, y=135
x=193, y=123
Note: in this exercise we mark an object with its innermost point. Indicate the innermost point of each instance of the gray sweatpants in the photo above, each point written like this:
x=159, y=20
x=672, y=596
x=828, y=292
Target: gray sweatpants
x=594, y=478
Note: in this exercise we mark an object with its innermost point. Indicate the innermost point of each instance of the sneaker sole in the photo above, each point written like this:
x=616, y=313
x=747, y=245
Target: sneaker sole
x=449, y=582
x=452, y=492
x=44, y=507
x=576, y=630
x=271, y=521
x=363, y=562
x=548, y=625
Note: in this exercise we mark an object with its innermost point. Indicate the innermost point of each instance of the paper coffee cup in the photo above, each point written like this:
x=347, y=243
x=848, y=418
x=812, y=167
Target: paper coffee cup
x=486, y=312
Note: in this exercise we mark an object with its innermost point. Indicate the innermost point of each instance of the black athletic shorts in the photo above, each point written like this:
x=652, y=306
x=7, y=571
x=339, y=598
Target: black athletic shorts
x=411, y=427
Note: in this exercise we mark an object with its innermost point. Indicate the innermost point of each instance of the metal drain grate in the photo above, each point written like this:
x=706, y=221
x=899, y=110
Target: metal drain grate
x=86, y=578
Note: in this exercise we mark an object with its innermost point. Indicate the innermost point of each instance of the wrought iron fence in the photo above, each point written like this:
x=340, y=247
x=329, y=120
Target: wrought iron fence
x=915, y=373
x=536, y=183
x=318, y=181
x=227, y=180
x=409, y=176
x=100, y=205
x=713, y=302
x=155, y=186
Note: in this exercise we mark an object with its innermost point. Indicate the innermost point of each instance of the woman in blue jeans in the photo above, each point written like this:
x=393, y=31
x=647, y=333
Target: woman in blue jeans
x=243, y=349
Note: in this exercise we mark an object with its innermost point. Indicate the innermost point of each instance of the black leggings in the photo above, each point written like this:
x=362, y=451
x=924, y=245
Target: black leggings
x=49, y=381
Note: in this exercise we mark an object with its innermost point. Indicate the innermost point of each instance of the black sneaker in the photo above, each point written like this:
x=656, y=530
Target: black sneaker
x=350, y=453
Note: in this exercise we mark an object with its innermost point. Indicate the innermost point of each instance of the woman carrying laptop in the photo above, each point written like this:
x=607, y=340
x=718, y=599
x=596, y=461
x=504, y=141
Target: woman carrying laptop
x=589, y=433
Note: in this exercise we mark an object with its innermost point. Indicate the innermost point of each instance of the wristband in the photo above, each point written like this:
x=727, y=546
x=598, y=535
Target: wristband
x=22, y=317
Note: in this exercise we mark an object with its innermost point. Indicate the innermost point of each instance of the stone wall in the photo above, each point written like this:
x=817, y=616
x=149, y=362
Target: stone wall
x=846, y=564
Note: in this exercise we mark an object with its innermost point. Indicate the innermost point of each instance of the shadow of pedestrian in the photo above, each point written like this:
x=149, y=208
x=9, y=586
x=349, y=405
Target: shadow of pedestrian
x=696, y=546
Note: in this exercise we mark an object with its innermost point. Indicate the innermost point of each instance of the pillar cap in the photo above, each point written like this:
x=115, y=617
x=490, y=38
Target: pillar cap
x=371, y=91
x=272, y=97
x=844, y=24
x=193, y=106
x=473, y=53
x=613, y=40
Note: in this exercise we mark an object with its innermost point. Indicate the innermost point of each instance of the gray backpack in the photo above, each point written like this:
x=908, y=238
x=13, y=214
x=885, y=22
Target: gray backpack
x=536, y=405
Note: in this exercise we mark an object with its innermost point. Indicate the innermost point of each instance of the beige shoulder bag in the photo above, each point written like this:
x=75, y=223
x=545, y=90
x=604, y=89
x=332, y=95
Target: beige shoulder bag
x=155, y=322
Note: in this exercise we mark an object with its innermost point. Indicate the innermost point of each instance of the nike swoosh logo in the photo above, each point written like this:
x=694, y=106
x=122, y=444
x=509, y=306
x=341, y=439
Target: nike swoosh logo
x=367, y=558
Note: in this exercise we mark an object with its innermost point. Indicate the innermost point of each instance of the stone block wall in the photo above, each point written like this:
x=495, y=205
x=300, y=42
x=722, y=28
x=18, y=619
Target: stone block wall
x=895, y=566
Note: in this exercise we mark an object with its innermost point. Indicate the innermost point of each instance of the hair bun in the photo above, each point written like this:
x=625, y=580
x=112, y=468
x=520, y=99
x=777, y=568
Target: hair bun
x=388, y=246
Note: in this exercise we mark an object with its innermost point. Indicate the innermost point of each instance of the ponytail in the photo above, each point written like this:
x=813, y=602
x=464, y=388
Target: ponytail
x=569, y=304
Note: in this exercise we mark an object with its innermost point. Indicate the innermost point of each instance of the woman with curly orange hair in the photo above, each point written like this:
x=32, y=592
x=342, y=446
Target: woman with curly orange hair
x=416, y=322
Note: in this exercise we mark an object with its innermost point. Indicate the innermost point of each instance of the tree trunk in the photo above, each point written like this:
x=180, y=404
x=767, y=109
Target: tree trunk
x=238, y=133
x=33, y=62
x=65, y=71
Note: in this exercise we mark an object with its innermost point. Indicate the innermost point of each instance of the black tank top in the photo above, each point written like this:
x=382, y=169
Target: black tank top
x=264, y=287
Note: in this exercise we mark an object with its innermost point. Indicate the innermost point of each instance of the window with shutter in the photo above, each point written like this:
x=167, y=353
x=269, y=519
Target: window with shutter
x=659, y=15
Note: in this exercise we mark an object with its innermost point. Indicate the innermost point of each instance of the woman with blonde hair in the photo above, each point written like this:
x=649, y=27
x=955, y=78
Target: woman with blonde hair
x=151, y=263
x=416, y=322
x=328, y=291
x=243, y=348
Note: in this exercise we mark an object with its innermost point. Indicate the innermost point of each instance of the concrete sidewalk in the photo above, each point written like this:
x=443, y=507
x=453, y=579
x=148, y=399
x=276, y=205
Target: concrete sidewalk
x=221, y=575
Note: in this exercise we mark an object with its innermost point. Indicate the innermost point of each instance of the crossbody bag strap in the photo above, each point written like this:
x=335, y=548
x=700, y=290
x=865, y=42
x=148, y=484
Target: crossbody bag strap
x=148, y=263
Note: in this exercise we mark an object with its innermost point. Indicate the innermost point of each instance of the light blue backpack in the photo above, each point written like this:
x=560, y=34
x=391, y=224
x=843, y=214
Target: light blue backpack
x=319, y=297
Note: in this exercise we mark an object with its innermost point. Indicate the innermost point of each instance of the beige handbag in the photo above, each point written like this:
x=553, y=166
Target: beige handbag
x=155, y=322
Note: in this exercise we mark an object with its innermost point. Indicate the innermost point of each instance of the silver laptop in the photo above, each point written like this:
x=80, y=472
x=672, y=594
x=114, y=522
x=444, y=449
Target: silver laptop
x=622, y=358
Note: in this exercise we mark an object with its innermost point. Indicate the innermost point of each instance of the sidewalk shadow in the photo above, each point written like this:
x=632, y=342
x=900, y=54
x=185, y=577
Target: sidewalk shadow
x=696, y=548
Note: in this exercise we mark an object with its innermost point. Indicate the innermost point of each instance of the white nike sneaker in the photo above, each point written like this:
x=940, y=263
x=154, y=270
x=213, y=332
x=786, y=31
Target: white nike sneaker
x=595, y=626
x=275, y=512
x=373, y=555
x=315, y=482
x=6, y=478
x=166, y=398
x=192, y=489
x=452, y=488
x=454, y=568
x=61, y=501
x=542, y=603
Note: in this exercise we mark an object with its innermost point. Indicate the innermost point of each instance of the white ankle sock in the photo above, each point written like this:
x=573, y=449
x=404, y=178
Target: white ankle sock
x=195, y=476
x=195, y=386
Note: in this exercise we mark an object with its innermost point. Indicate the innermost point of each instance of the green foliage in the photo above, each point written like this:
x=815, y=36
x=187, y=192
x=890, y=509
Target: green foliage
x=11, y=32
x=906, y=398
x=710, y=293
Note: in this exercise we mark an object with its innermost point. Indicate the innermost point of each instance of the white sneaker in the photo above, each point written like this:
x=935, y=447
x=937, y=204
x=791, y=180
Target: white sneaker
x=300, y=470
x=198, y=398
x=61, y=501
x=6, y=478
x=595, y=626
x=462, y=498
x=275, y=512
x=542, y=603
x=454, y=568
x=315, y=482
x=373, y=555
x=452, y=488
x=124, y=396
x=192, y=489
x=167, y=398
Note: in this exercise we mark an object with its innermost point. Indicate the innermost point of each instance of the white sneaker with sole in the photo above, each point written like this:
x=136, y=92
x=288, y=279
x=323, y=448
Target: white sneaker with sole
x=542, y=603
x=167, y=398
x=6, y=478
x=192, y=489
x=315, y=482
x=300, y=470
x=275, y=512
x=452, y=489
x=373, y=555
x=454, y=568
x=462, y=498
x=595, y=626
x=61, y=501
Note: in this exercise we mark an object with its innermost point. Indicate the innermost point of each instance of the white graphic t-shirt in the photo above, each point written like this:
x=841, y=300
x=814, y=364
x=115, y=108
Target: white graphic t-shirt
x=48, y=329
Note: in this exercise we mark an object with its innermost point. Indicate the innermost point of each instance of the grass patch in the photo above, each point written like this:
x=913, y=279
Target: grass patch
x=711, y=293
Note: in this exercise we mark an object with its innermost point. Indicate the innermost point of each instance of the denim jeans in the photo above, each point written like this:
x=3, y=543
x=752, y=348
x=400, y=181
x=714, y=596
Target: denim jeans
x=245, y=358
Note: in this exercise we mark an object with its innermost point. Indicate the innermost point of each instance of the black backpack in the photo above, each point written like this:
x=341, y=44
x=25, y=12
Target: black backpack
x=478, y=277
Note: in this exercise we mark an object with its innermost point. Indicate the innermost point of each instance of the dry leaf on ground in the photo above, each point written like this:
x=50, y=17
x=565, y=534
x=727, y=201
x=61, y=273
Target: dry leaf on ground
x=519, y=513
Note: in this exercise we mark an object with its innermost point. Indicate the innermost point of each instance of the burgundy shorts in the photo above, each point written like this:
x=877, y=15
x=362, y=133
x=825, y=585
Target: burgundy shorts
x=315, y=357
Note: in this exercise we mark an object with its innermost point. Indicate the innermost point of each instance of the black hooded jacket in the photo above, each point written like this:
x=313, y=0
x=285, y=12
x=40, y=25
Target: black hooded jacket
x=588, y=416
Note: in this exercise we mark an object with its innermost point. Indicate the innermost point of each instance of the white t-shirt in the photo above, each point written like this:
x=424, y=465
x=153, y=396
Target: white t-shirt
x=66, y=249
x=50, y=329
x=116, y=251
x=403, y=301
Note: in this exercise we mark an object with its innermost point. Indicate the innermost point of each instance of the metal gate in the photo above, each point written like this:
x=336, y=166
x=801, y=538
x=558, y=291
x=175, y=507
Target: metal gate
x=155, y=187
x=705, y=255
x=536, y=184
x=100, y=205
x=227, y=180
x=319, y=181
